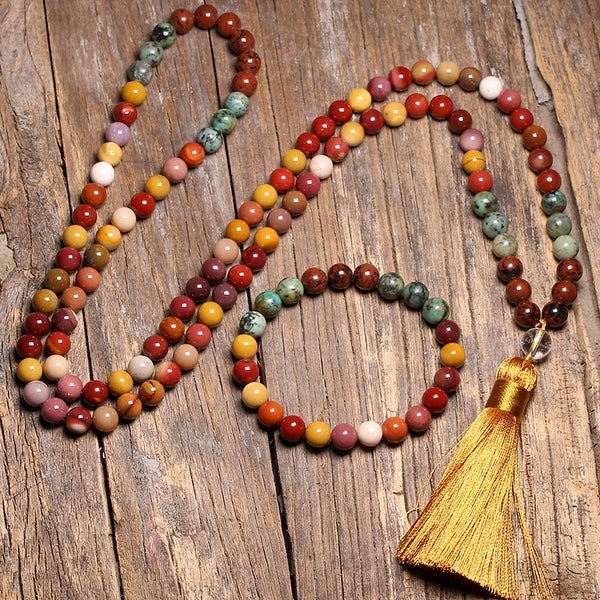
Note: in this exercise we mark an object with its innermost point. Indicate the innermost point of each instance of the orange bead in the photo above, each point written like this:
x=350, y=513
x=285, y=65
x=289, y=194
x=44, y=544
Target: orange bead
x=238, y=231
x=452, y=355
x=172, y=328
x=394, y=430
x=267, y=239
x=270, y=413
x=128, y=406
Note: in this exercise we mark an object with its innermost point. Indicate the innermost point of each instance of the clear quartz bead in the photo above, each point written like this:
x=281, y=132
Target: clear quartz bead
x=543, y=348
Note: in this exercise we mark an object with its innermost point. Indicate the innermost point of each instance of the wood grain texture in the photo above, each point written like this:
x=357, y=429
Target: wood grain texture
x=195, y=499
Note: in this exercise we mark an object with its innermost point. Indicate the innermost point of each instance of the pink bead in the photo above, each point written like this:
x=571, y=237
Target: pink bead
x=309, y=184
x=418, y=419
x=508, y=100
x=35, y=393
x=54, y=411
x=379, y=88
x=344, y=437
x=471, y=139
x=280, y=220
x=69, y=388
x=175, y=170
x=118, y=133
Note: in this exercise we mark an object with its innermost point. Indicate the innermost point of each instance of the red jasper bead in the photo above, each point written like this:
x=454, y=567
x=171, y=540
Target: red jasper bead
x=270, y=413
x=85, y=215
x=155, y=347
x=569, y=269
x=308, y=143
x=168, y=374
x=447, y=378
x=372, y=121
x=182, y=20
x=314, y=281
x=435, y=400
x=37, y=323
x=323, y=127
x=227, y=23
x=182, y=307
x=441, y=107
x=416, y=105
x=480, y=181
x=292, y=428
x=282, y=180
x=534, y=136
x=336, y=148
x=197, y=288
x=447, y=332
x=308, y=183
x=68, y=258
x=540, y=159
x=520, y=119
x=125, y=112
x=340, y=276
x=94, y=194
x=517, y=290
x=240, y=276
x=400, y=78
x=206, y=16
x=254, y=257
x=508, y=100
x=241, y=41
x=198, y=335
x=564, y=292
x=244, y=82
x=460, y=120
x=340, y=111
x=95, y=392
x=192, y=154
x=29, y=346
x=418, y=418
x=509, y=267
x=248, y=62
x=555, y=314
x=548, y=181
x=245, y=371
x=142, y=204
x=58, y=342
x=527, y=314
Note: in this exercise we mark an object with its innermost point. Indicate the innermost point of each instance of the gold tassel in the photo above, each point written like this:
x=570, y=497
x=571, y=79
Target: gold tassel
x=466, y=533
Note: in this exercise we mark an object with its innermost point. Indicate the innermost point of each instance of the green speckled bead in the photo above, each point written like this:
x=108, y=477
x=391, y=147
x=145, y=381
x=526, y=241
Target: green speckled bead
x=290, y=290
x=390, y=286
x=558, y=224
x=268, y=304
x=553, y=202
x=164, y=34
x=224, y=120
x=151, y=52
x=210, y=139
x=484, y=203
x=253, y=323
x=565, y=246
x=494, y=224
x=140, y=71
x=237, y=103
x=504, y=245
x=435, y=310
x=415, y=294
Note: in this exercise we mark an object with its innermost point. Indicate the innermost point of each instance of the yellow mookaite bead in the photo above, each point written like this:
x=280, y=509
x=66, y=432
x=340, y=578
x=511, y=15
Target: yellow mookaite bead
x=317, y=434
x=294, y=160
x=29, y=369
x=111, y=153
x=359, y=99
x=452, y=355
x=472, y=161
x=210, y=313
x=394, y=114
x=238, y=231
x=75, y=236
x=119, y=382
x=254, y=394
x=109, y=236
x=244, y=346
x=45, y=301
x=353, y=133
x=133, y=92
x=158, y=186
x=447, y=73
x=266, y=195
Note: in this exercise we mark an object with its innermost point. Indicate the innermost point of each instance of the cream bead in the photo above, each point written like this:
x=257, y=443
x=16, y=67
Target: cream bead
x=490, y=87
x=226, y=250
x=321, y=166
x=123, y=219
x=186, y=357
x=369, y=433
x=55, y=367
x=102, y=173
x=140, y=368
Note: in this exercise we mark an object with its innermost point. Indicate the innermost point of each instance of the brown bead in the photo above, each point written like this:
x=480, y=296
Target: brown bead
x=517, y=290
x=227, y=23
x=182, y=20
x=248, y=62
x=206, y=16
x=96, y=256
x=241, y=41
x=534, y=136
x=564, y=292
x=280, y=220
x=128, y=406
x=569, y=269
x=527, y=314
x=244, y=82
x=57, y=280
x=366, y=277
x=469, y=79
x=151, y=392
x=555, y=314
x=172, y=329
x=509, y=267
x=294, y=202
x=105, y=419
x=74, y=298
x=314, y=281
x=340, y=276
x=548, y=181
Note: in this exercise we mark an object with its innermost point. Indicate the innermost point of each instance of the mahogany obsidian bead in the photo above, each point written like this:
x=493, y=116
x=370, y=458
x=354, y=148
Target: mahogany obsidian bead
x=241, y=41
x=366, y=277
x=182, y=20
x=564, y=292
x=244, y=82
x=248, y=61
x=227, y=23
x=340, y=276
x=569, y=269
x=527, y=314
x=314, y=281
x=555, y=314
x=509, y=267
x=517, y=290
x=206, y=16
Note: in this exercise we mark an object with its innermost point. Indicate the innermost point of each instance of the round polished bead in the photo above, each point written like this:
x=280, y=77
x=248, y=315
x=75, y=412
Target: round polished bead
x=565, y=246
x=158, y=186
x=213, y=270
x=245, y=83
x=416, y=105
x=102, y=173
x=554, y=202
x=379, y=88
x=510, y=267
x=267, y=239
x=254, y=257
x=270, y=413
x=123, y=219
x=192, y=154
x=336, y=148
x=308, y=184
x=241, y=41
x=480, y=181
x=280, y=220
x=155, y=347
x=308, y=143
x=69, y=259
x=564, y=292
x=394, y=430
x=352, y=133
x=75, y=236
x=224, y=121
x=29, y=346
x=185, y=357
x=245, y=371
x=198, y=289
x=182, y=307
x=423, y=72
x=340, y=276
x=359, y=99
x=167, y=373
x=435, y=310
x=244, y=346
x=95, y=392
x=447, y=73
x=128, y=406
x=240, y=276
x=44, y=301
x=441, y=107
x=314, y=281
x=292, y=428
x=251, y=211
x=35, y=393
x=226, y=250
x=340, y=111
x=540, y=159
x=54, y=411
x=254, y=395
x=290, y=290
x=58, y=342
x=504, y=245
x=390, y=286
x=37, y=323
x=151, y=392
x=198, y=335
x=105, y=419
x=369, y=433
x=164, y=34
x=85, y=215
x=527, y=314
x=210, y=313
x=206, y=16
x=548, y=181
x=294, y=160
x=435, y=400
x=109, y=237
x=472, y=161
x=323, y=127
x=394, y=114
x=210, y=139
x=509, y=100
x=140, y=368
x=175, y=169
x=317, y=434
x=172, y=329
x=372, y=121
x=469, y=79
x=57, y=280
x=253, y=323
x=543, y=348
x=415, y=294
x=88, y=279
x=520, y=119
x=248, y=61
x=460, y=120
x=225, y=295
x=447, y=378
x=558, y=224
x=484, y=202
x=125, y=112
x=152, y=54
x=447, y=332
x=133, y=92
x=344, y=437
x=237, y=103
x=366, y=277
x=555, y=314
x=268, y=304
x=29, y=369
x=78, y=420
x=534, y=136
x=142, y=204
x=568, y=269
x=118, y=133
x=238, y=231
x=452, y=355
x=64, y=320
x=471, y=139
x=418, y=419
x=490, y=87
x=400, y=78
x=494, y=224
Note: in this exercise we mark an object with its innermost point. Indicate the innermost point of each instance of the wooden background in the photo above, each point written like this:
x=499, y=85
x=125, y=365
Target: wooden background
x=195, y=499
